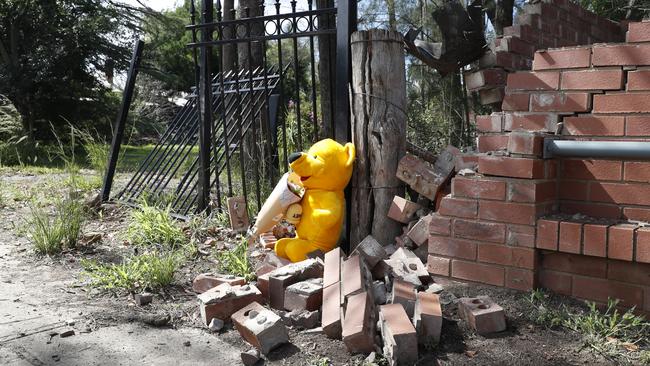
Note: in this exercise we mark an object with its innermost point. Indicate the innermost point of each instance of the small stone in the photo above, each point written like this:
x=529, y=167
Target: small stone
x=67, y=333
x=434, y=288
x=143, y=299
x=69, y=322
x=187, y=343
x=250, y=357
x=466, y=172
x=379, y=292
x=216, y=325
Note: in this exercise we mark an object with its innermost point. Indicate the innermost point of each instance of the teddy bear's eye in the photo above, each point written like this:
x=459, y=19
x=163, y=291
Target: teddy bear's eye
x=315, y=156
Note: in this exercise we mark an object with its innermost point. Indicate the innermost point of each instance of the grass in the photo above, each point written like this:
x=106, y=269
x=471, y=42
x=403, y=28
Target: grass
x=236, y=261
x=146, y=271
x=612, y=333
x=50, y=234
x=153, y=226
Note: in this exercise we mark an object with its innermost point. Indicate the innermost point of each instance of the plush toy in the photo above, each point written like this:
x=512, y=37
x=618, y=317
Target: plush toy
x=324, y=172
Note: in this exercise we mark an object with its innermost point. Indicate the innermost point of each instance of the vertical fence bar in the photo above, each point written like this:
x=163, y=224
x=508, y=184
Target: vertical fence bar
x=205, y=101
x=345, y=25
x=120, y=122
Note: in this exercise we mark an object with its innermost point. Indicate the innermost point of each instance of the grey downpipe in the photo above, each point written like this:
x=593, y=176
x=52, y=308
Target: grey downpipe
x=596, y=149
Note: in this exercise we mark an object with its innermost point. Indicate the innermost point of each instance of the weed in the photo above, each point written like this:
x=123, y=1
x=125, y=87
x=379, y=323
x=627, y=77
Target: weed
x=50, y=234
x=236, y=261
x=644, y=357
x=322, y=361
x=153, y=226
x=147, y=271
x=80, y=182
x=545, y=315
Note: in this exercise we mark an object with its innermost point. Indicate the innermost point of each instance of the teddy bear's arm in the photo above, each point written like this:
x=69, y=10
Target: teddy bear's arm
x=328, y=212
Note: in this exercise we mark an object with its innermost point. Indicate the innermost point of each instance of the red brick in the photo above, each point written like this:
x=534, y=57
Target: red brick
x=485, y=78
x=205, y=281
x=516, y=102
x=643, y=245
x=539, y=122
x=638, y=194
x=635, y=213
x=524, y=32
x=399, y=336
x=528, y=80
x=466, y=161
x=570, y=237
x=595, y=240
x=637, y=273
x=560, y=102
x=507, y=256
x=516, y=213
x=622, y=103
x=422, y=177
x=404, y=294
x=487, y=143
x=595, y=126
x=419, y=233
x=520, y=142
x=638, y=80
x=547, y=234
x=577, y=264
x=482, y=314
x=531, y=191
x=491, y=96
x=359, y=324
x=592, y=169
x=438, y=265
x=488, y=231
x=490, y=123
x=556, y=282
x=636, y=171
x=520, y=279
x=562, y=59
x=458, y=207
x=593, y=80
x=621, y=55
x=478, y=188
x=307, y=295
x=428, y=317
x=260, y=327
x=224, y=300
x=477, y=272
x=402, y=210
x=591, y=209
x=573, y=190
x=331, y=318
x=521, y=236
x=356, y=276
x=511, y=167
x=450, y=247
x=638, y=32
x=514, y=45
x=440, y=225
x=332, y=267
x=600, y=290
x=621, y=242
x=637, y=126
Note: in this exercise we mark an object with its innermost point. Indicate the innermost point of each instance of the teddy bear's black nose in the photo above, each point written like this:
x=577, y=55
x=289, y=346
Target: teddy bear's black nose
x=294, y=156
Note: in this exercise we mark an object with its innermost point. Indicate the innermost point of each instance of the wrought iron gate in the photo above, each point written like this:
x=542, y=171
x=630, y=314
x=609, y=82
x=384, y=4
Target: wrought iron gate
x=271, y=80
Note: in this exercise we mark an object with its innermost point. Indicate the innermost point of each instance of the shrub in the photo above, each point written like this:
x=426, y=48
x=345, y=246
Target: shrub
x=147, y=271
x=236, y=261
x=11, y=125
x=153, y=226
x=50, y=234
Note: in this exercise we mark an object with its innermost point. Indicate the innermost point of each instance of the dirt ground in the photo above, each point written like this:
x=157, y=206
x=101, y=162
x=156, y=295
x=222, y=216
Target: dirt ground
x=42, y=297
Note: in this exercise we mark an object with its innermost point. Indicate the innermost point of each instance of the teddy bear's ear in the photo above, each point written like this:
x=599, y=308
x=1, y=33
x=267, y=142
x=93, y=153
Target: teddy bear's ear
x=351, y=152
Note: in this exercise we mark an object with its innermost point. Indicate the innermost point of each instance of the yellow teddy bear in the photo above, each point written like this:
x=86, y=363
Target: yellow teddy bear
x=324, y=171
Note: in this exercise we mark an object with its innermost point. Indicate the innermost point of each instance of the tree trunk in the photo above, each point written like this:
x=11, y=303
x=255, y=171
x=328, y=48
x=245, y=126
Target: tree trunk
x=378, y=120
x=251, y=9
x=229, y=51
x=326, y=54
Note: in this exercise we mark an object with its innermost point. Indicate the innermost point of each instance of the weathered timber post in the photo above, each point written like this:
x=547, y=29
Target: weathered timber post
x=378, y=117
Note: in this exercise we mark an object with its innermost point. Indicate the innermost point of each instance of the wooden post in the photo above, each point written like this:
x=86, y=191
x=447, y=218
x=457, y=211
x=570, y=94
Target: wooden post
x=378, y=116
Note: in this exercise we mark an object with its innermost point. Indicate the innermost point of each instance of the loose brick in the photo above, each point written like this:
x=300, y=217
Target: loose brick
x=520, y=279
x=405, y=265
x=514, y=45
x=621, y=242
x=490, y=123
x=594, y=126
x=637, y=126
x=621, y=55
x=560, y=102
x=562, y=59
x=331, y=318
x=609, y=79
x=359, y=324
x=438, y=265
x=224, y=300
x=485, y=78
x=458, y=207
x=399, y=336
x=370, y=250
x=206, y=281
x=637, y=171
x=305, y=295
x=618, y=193
x=622, y=103
x=547, y=234
x=527, y=80
x=477, y=272
x=595, y=240
x=237, y=213
x=423, y=178
x=482, y=314
x=577, y=264
x=285, y=276
x=260, y=327
x=487, y=231
x=419, y=233
x=570, y=237
x=402, y=210
x=356, y=276
x=332, y=267
x=538, y=122
x=404, y=294
x=638, y=32
x=428, y=318
x=600, y=290
x=268, y=240
x=440, y=225
x=451, y=247
x=511, y=167
x=592, y=169
x=516, y=213
x=478, y=187
x=556, y=282
x=643, y=245
x=531, y=191
x=487, y=143
x=516, y=102
x=520, y=142
x=521, y=236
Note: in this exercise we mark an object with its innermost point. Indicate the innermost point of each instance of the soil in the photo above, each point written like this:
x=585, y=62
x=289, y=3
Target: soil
x=43, y=297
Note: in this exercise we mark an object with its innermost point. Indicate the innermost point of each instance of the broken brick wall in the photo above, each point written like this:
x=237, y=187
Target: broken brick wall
x=538, y=25
x=576, y=226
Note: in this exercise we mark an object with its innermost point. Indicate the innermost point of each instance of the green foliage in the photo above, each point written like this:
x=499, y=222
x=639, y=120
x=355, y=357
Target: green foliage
x=236, y=261
x=545, y=315
x=147, y=271
x=153, y=226
x=11, y=126
x=50, y=234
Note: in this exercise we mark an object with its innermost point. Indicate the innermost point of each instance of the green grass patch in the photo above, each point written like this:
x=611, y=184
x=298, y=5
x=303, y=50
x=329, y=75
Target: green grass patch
x=236, y=261
x=146, y=271
x=52, y=233
x=153, y=226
